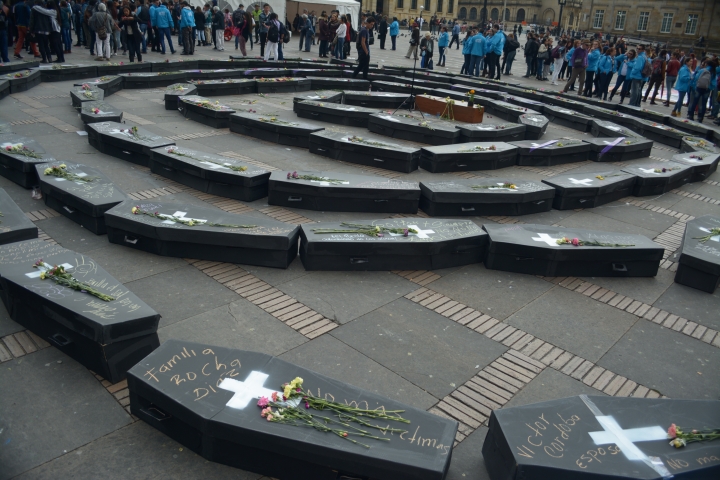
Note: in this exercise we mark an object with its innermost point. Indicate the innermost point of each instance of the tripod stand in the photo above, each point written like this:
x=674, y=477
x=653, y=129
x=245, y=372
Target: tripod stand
x=411, y=96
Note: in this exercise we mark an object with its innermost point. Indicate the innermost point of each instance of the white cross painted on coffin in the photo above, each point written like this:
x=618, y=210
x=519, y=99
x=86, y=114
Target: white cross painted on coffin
x=607, y=142
x=245, y=392
x=502, y=188
x=116, y=131
x=544, y=237
x=100, y=112
x=485, y=128
x=626, y=439
x=80, y=174
x=692, y=160
x=36, y=273
x=325, y=184
x=567, y=111
x=533, y=119
x=585, y=181
x=215, y=166
x=181, y=215
x=716, y=238
x=421, y=233
x=351, y=109
x=649, y=170
x=11, y=145
x=387, y=117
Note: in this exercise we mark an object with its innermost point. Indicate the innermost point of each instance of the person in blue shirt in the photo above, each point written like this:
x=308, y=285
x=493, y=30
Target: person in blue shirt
x=163, y=21
x=636, y=78
x=682, y=85
x=477, y=54
x=443, y=41
x=394, y=31
x=187, y=25
x=455, y=36
x=623, y=66
x=497, y=42
x=568, y=55
x=592, y=64
x=605, y=69
x=467, y=52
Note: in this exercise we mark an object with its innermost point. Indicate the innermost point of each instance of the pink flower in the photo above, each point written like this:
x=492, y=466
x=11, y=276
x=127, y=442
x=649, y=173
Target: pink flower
x=405, y=232
x=265, y=412
x=274, y=396
x=269, y=417
x=575, y=242
x=289, y=176
x=263, y=402
x=672, y=431
x=307, y=405
x=8, y=148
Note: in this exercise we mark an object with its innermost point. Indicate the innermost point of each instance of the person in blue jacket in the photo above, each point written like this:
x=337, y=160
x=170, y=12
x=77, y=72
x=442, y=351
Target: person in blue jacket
x=623, y=66
x=568, y=55
x=605, y=69
x=701, y=84
x=477, y=54
x=682, y=85
x=467, y=52
x=187, y=25
x=163, y=22
x=394, y=31
x=636, y=78
x=592, y=64
x=443, y=41
x=495, y=49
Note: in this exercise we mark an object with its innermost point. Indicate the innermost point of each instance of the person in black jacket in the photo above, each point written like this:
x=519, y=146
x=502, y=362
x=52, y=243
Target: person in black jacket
x=509, y=52
x=200, y=26
x=531, y=51
x=133, y=33
x=382, y=32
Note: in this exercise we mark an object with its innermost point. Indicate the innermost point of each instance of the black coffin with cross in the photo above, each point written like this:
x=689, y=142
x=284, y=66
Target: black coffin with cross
x=108, y=83
x=655, y=178
x=152, y=79
x=336, y=113
x=327, y=96
x=14, y=224
x=112, y=68
x=333, y=83
x=342, y=192
x=535, y=125
x=106, y=337
x=250, y=240
x=568, y=118
x=432, y=132
x=214, y=74
x=546, y=153
x=588, y=190
x=18, y=164
x=598, y=437
x=373, y=152
x=395, y=87
x=658, y=132
x=23, y=80
x=93, y=112
x=205, y=397
x=374, y=99
x=524, y=102
x=462, y=157
x=508, y=111
x=283, y=85
x=64, y=72
x=231, y=86
x=439, y=243
x=205, y=111
x=82, y=202
x=119, y=140
x=618, y=149
x=4, y=88
x=175, y=91
x=173, y=65
x=485, y=196
x=690, y=126
x=704, y=163
x=312, y=72
x=488, y=132
x=91, y=93
x=273, y=128
x=210, y=173
x=699, y=262
x=534, y=250
x=692, y=144
x=605, y=128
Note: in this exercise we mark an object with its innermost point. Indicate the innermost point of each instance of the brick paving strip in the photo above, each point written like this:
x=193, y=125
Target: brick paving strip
x=695, y=196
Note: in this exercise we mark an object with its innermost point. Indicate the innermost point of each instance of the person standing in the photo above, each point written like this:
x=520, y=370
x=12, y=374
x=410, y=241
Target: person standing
x=218, y=23
x=623, y=66
x=606, y=68
x=477, y=54
x=542, y=55
x=702, y=84
x=340, y=38
x=558, y=56
x=510, y=50
x=4, y=22
x=131, y=24
x=22, y=22
x=671, y=73
x=264, y=17
x=142, y=12
x=467, y=53
x=579, y=63
x=363, y=48
x=307, y=31
x=324, y=36
x=414, y=42
x=394, y=31
x=636, y=77
x=273, y=37
x=531, y=51
x=187, y=24
x=443, y=41
x=426, y=51
x=593, y=58
x=682, y=85
x=101, y=24
x=382, y=31
x=657, y=78
x=455, y=36
x=163, y=21
x=497, y=46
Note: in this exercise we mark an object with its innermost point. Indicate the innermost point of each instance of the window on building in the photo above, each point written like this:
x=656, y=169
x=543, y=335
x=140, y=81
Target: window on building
x=439, y=6
x=691, y=26
x=520, y=16
x=507, y=15
x=666, y=23
x=494, y=14
x=450, y=6
x=413, y=4
x=643, y=21
x=399, y=3
x=598, y=18
x=427, y=5
x=473, y=14
x=620, y=19
x=463, y=13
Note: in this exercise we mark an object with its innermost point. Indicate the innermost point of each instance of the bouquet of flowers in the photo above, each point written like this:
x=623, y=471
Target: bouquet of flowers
x=61, y=172
x=589, y=243
x=681, y=438
x=185, y=221
x=20, y=149
x=58, y=274
x=369, y=230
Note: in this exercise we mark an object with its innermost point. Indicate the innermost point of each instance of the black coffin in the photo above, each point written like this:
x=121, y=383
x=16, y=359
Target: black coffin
x=690, y=126
x=588, y=190
x=232, y=86
x=479, y=92
x=112, y=68
x=332, y=83
x=432, y=132
x=704, y=164
x=214, y=74
x=373, y=152
x=210, y=173
x=605, y=128
x=217, y=428
x=66, y=72
x=644, y=113
x=396, y=87
x=438, y=244
x=532, y=249
x=508, y=111
x=21, y=168
x=664, y=134
x=312, y=73
x=15, y=65
x=175, y=91
x=107, y=83
x=173, y=65
x=106, y=337
x=618, y=149
x=24, y=80
x=699, y=262
x=218, y=63
x=5, y=128
x=84, y=203
x=93, y=112
x=86, y=93
x=273, y=128
x=602, y=438
x=14, y=224
x=427, y=76
x=462, y=157
x=535, y=125
x=375, y=99
x=528, y=103
x=454, y=94
x=326, y=96
x=485, y=196
x=341, y=192
x=693, y=144
x=205, y=111
x=152, y=79
x=487, y=132
x=4, y=88
x=568, y=118
x=334, y=113
x=268, y=73
x=282, y=85
x=269, y=243
x=551, y=152
x=116, y=139
x=655, y=178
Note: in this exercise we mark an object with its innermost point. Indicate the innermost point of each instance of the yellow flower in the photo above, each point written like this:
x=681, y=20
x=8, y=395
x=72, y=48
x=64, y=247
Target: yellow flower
x=242, y=169
x=288, y=389
x=513, y=187
x=48, y=171
x=599, y=177
x=190, y=223
x=297, y=382
x=42, y=275
x=134, y=210
x=62, y=165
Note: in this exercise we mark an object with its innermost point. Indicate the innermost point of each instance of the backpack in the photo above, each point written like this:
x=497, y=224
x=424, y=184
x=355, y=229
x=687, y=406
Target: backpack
x=556, y=53
x=286, y=34
x=101, y=32
x=273, y=33
x=703, y=80
x=144, y=14
x=647, y=69
x=657, y=66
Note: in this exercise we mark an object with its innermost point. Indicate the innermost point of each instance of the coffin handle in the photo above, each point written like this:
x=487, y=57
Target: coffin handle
x=380, y=200
x=69, y=210
x=459, y=165
x=378, y=159
x=467, y=209
x=294, y=199
x=156, y=414
x=60, y=340
x=619, y=267
x=540, y=202
x=130, y=240
x=358, y=260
